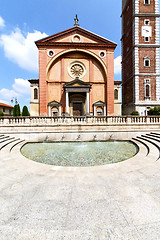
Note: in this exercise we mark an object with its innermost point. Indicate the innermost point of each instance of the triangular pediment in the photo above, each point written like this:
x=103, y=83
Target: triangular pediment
x=77, y=83
x=75, y=35
x=99, y=103
x=54, y=103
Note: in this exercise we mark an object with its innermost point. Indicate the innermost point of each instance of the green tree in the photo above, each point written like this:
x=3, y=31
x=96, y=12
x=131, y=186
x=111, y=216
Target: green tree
x=135, y=113
x=16, y=110
x=1, y=114
x=154, y=111
x=25, y=111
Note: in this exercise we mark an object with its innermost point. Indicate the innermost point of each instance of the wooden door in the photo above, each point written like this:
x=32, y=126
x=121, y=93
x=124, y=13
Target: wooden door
x=77, y=109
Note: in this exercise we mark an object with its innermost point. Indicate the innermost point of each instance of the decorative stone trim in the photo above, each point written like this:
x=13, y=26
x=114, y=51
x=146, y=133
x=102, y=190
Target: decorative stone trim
x=51, y=53
x=102, y=54
x=77, y=69
x=76, y=37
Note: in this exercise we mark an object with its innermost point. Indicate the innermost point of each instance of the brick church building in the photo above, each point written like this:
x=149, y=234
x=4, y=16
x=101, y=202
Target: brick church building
x=140, y=55
x=76, y=75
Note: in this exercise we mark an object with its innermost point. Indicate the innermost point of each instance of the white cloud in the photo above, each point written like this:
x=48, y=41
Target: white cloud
x=20, y=88
x=22, y=50
x=2, y=22
x=117, y=65
x=7, y=94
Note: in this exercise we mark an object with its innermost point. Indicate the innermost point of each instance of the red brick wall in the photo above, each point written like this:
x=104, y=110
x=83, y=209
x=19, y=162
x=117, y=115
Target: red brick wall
x=110, y=82
x=142, y=88
x=152, y=24
x=147, y=8
x=42, y=83
x=147, y=52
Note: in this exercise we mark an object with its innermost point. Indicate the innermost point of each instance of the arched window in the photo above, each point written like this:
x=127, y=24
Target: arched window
x=35, y=93
x=146, y=2
x=147, y=91
x=147, y=62
x=116, y=94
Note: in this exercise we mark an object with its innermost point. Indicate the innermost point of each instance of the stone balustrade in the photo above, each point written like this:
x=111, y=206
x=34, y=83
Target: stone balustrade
x=76, y=120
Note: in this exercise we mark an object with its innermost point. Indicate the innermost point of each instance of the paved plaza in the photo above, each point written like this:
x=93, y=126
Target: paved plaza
x=112, y=202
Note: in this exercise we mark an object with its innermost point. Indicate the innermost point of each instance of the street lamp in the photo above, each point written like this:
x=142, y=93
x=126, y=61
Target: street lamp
x=14, y=101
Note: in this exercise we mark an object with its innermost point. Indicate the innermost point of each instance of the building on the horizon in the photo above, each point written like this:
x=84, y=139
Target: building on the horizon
x=76, y=76
x=140, y=55
x=6, y=109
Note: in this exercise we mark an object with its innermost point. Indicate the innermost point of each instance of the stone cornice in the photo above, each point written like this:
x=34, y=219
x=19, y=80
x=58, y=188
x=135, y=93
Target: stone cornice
x=76, y=45
x=146, y=15
x=147, y=45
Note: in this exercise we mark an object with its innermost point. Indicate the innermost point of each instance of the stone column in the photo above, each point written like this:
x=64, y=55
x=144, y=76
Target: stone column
x=59, y=110
x=67, y=102
x=87, y=103
x=95, y=113
x=49, y=111
x=104, y=110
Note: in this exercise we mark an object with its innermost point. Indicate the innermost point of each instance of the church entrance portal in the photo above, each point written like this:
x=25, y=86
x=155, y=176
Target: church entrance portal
x=77, y=108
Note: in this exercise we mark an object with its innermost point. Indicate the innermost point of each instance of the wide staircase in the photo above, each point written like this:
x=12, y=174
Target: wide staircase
x=8, y=143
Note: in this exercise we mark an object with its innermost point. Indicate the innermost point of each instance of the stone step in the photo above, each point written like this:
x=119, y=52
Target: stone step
x=142, y=146
x=153, y=140
x=155, y=133
x=17, y=143
x=5, y=140
x=3, y=137
x=154, y=137
x=153, y=147
x=4, y=144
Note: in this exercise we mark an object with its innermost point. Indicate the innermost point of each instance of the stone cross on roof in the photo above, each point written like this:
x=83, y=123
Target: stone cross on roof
x=76, y=21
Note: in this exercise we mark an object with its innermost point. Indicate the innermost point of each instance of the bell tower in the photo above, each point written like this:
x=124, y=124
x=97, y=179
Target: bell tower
x=140, y=55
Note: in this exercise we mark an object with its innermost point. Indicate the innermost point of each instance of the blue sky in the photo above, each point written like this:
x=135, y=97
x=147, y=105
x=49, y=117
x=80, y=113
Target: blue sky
x=23, y=22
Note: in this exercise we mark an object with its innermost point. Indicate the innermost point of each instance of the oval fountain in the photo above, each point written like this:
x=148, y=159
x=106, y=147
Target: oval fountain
x=80, y=154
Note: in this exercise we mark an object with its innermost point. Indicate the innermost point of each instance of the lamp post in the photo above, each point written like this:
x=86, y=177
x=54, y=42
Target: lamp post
x=14, y=101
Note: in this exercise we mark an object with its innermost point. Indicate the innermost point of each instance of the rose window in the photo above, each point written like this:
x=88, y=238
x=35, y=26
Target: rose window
x=77, y=70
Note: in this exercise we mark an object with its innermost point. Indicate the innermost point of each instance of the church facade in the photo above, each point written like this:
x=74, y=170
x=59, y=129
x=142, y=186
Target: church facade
x=76, y=76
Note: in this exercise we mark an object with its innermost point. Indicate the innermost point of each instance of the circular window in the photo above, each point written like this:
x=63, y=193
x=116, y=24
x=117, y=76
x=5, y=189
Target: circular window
x=50, y=53
x=76, y=38
x=102, y=54
x=77, y=69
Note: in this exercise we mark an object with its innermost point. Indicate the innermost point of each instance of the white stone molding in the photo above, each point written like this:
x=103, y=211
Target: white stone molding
x=136, y=6
x=81, y=67
x=49, y=111
x=78, y=36
x=67, y=102
x=102, y=54
x=136, y=84
x=51, y=53
x=136, y=60
x=157, y=31
x=60, y=111
x=136, y=30
x=105, y=110
x=157, y=6
x=87, y=102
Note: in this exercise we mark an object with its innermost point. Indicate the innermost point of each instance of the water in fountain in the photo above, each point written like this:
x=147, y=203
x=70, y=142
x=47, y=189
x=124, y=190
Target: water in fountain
x=79, y=153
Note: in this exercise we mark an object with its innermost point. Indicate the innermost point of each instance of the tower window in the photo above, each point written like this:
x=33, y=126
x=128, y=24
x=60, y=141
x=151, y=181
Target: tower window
x=146, y=39
x=147, y=89
x=146, y=22
x=147, y=62
x=35, y=93
x=146, y=2
x=116, y=94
